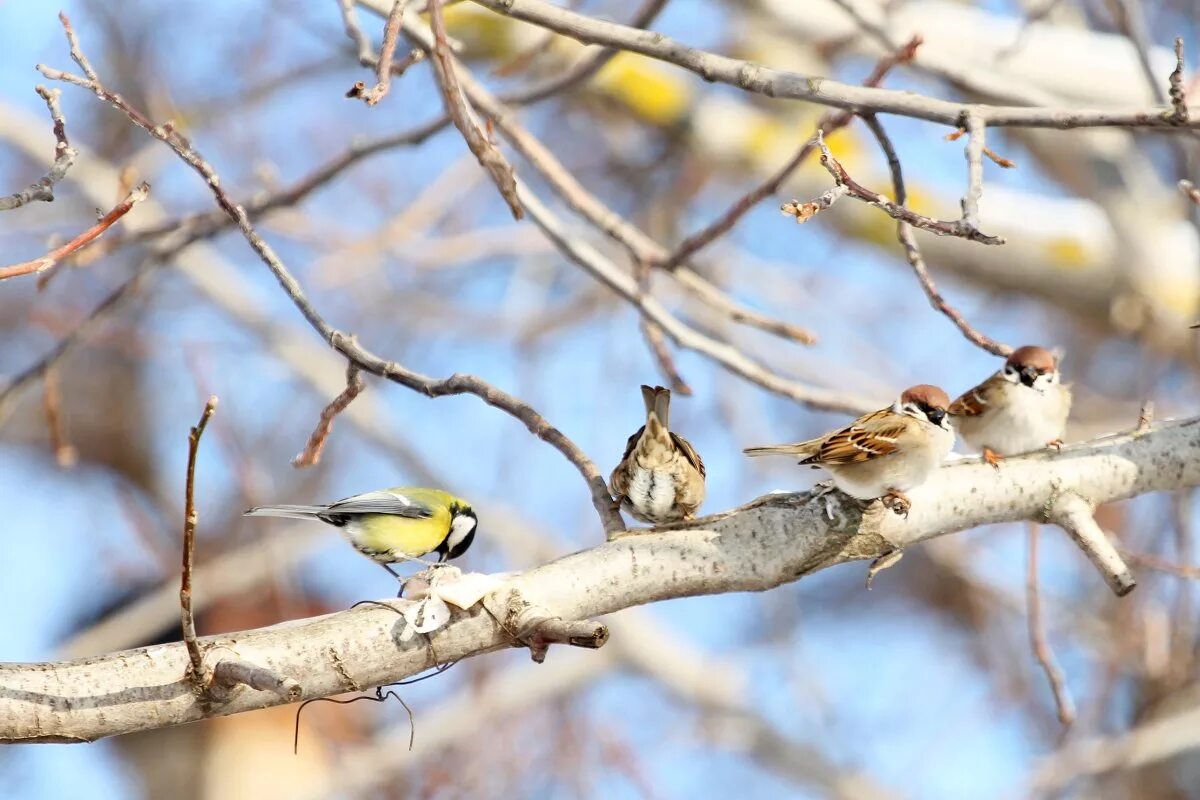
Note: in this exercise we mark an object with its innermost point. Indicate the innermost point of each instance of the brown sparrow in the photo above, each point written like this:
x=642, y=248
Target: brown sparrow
x=660, y=477
x=882, y=454
x=1022, y=407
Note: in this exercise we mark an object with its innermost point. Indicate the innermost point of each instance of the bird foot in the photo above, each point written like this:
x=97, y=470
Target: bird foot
x=898, y=502
x=992, y=458
x=1057, y=444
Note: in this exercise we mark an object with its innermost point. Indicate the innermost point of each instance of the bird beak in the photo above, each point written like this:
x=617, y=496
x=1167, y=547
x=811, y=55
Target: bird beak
x=1028, y=376
x=936, y=415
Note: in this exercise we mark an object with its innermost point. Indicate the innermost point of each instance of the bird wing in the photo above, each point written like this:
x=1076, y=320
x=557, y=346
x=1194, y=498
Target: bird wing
x=974, y=402
x=689, y=452
x=381, y=503
x=877, y=434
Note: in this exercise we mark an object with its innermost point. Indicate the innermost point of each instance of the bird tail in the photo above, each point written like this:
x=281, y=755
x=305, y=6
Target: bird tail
x=658, y=409
x=290, y=512
x=801, y=449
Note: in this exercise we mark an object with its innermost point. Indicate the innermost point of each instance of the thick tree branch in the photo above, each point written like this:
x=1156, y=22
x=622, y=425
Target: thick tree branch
x=772, y=541
x=756, y=78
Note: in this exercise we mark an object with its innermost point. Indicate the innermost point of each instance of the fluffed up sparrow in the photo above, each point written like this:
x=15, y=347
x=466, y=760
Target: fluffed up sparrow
x=885, y=453
x=661, y=476
x=1022, y=407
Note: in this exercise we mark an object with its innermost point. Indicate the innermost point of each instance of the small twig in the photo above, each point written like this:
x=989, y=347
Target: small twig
x=1190, y=190
x=387, y=51
x=829, y=123
x=76, y=53
x=1145, y=417
x=1158, y=564
x=311, y=454
x=488, y=154
x=355, y=31
x=230, y=673
x=47, y=261
x=976, y=131
x=539, y=634
x=1000, y=161
x=64, y=157
x=898, y=211
x=913, y=253
x=1063, y=704
x=190, y=518
x=1177, y=94
x=64, y=454
x=803, y=212
x=1073, y=514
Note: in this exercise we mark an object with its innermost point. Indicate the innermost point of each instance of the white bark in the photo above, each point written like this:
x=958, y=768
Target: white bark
x=774, y=540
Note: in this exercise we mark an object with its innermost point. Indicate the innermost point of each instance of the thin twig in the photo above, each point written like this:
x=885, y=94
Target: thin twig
x=1159, y=564
x=355, y=31
x=190, y=518
x=65, y=455
x=976, y=131
x=387, y=51
x=1177, y=94
x=311, y=454
x=343, y=343
x=830, y=122
x=913, y=253
x=656, y=339
x=93, y=233
x=488, y=154
x=64, y=157
x=897, y=210
x=1063, y=704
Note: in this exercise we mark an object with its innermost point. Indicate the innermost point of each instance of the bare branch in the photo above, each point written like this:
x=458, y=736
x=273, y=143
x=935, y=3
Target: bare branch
x=1190, y=191
x=778, y=83
x=39, y=265
x=829, y=123
x=1177, y=93
x=913, y=253
x=341, y=342
x=190, y=518
x=387, y=51
x=1074, y=515
x=898, y=211
x=975, y=146
x=64, y=454
x=311, y=455
x=487, y=153
x=1064, y=706
x=722, y=553
x=64, y=157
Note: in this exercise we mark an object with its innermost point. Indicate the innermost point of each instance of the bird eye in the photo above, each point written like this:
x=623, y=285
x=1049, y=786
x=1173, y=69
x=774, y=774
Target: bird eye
x=1009, y=369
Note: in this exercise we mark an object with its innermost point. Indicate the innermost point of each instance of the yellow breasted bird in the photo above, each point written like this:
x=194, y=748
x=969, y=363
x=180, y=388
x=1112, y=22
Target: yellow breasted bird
x=400, y=524
x=661, y=476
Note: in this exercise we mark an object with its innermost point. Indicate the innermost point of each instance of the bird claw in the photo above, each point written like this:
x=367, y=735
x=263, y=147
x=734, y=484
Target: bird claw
x=1057, y=444
x=992, y=458
x=898, y=502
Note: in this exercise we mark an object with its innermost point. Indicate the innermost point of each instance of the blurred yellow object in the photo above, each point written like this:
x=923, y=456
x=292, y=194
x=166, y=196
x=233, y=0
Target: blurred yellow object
x=1068, y=252
x=483, y=33
x=652, y=93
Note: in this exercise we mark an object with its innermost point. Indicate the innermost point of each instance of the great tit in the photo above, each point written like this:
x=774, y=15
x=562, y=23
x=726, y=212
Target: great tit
x=400, y=524
x=661, y=476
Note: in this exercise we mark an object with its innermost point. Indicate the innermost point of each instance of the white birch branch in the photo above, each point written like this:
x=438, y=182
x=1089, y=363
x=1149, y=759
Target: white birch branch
x=772, y=541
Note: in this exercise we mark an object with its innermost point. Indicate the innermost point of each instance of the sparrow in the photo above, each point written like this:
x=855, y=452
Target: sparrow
x=661, y=476
x=883, y=454
x=1022, y=407
x=391, y=525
